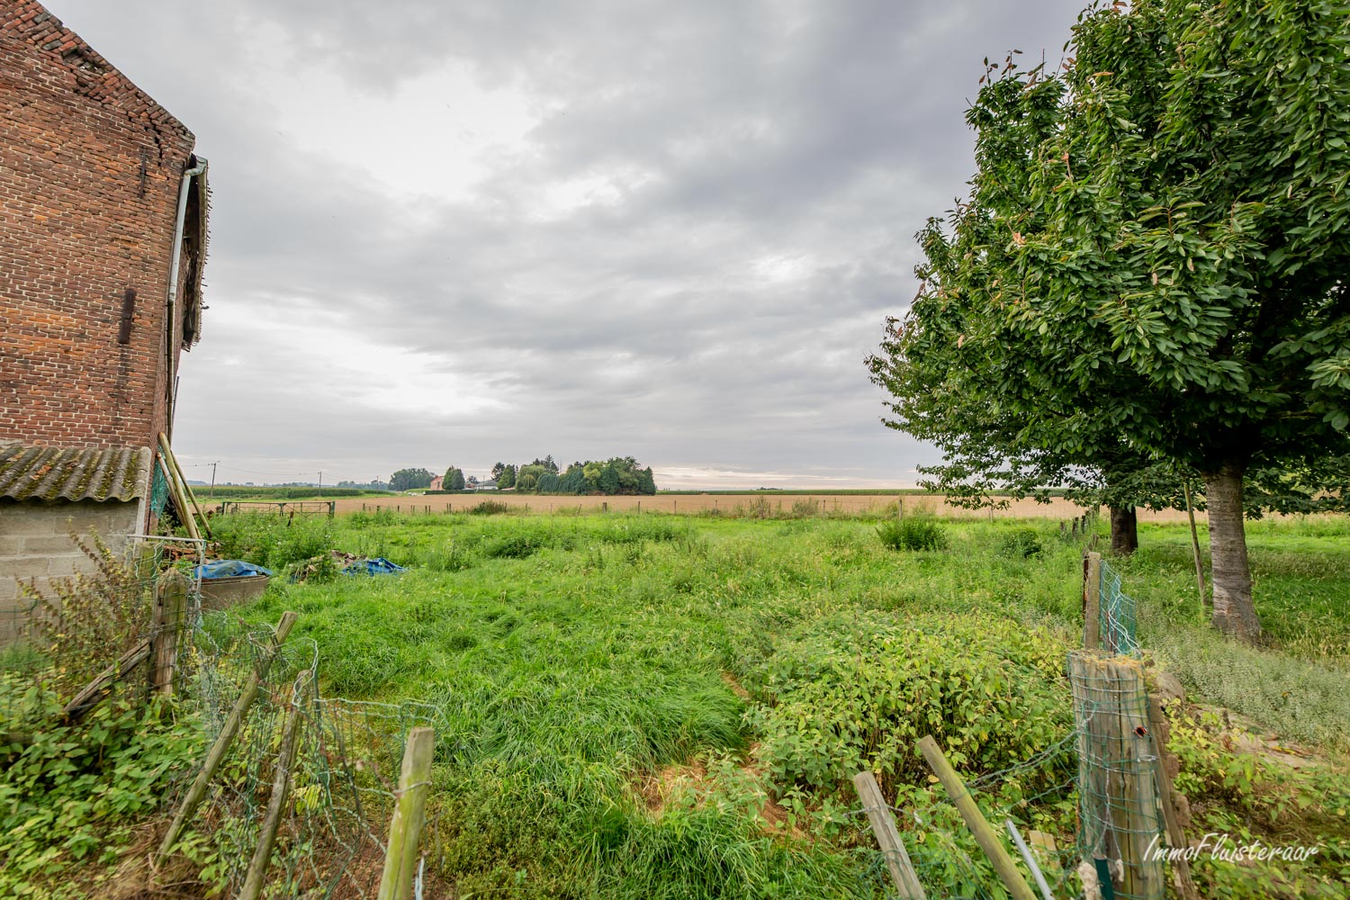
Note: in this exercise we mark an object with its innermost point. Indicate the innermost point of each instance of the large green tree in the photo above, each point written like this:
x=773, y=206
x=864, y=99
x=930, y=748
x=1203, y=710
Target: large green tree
x=1151, y=265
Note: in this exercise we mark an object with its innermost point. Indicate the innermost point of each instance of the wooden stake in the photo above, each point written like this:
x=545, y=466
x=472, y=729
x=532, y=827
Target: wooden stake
x=197, y=791
x=281, y=788
x=985, y=836
x=906, y=880
x=171, y=596
x=405, y=829
x=1092, y=601
x=1195, y=549
x=182, y=481
x=1176, y=835
x=185, y=513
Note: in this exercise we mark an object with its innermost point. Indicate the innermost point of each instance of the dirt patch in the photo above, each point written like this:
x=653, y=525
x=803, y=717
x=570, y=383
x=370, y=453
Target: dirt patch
x=736, y=687
x=657, y=789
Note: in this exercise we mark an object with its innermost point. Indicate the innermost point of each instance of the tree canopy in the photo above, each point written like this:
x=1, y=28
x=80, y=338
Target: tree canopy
x=1149, y=269
x=410, y=479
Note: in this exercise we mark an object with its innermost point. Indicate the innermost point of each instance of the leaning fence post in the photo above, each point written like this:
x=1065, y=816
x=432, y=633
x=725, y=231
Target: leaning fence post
x=1092, y=601
x=975, y=821
x=276, y=804
x=166, y=630
x=888, y=838
x=1176, y=834
x=405, y=829
x=197, y=791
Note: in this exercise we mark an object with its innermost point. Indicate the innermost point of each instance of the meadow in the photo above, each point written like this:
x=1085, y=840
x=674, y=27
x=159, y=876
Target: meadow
x=673, y=706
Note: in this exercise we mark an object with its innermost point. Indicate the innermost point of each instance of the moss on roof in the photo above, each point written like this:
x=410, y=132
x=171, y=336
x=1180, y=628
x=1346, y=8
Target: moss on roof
x=49, y=473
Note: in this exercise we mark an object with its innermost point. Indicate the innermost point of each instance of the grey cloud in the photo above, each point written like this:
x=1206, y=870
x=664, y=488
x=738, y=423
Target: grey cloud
x=814, y=131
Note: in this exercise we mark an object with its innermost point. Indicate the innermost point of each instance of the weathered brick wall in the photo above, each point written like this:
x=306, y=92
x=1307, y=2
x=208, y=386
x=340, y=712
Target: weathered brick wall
x=35, y=546
x=89, y=177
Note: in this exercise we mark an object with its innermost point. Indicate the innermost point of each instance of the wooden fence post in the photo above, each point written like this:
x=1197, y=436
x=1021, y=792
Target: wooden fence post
x=405, y=829
x=197, y=791
x=166, y=629
x=984, y=834
x=1118, y=787
x=1092, y=601
x=276, y=804
x=888, y=837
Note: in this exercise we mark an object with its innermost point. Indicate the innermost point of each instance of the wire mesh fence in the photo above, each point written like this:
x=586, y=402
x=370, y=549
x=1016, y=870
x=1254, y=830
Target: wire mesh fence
x=1119, y=615
x=343, y=780
x=134, y=626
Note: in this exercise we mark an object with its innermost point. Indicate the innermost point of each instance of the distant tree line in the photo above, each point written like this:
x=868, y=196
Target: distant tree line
x=410, y=479
x=620, y=475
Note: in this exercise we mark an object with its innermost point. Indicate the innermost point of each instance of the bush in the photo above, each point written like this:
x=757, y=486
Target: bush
x=1023, y=543
x=76, y=792
x=840, y=698
x=490, y=508
x=913, y=533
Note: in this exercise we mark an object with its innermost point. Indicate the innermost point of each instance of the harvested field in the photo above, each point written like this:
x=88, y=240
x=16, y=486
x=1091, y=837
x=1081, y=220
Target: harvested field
x=774, y=505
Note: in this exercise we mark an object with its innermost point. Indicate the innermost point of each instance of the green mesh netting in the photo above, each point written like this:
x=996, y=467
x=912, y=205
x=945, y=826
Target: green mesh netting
x=159, y=492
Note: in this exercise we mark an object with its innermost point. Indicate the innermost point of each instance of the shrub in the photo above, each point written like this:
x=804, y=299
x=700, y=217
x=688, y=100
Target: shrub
x=843, y=697
x=75, y=792
x=913, y=533
x=1023, y=543
x=490, y=508
x=512, y=546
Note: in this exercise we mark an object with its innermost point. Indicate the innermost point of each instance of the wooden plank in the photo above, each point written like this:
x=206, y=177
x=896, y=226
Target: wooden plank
x=197, y=791
x=276, y=804
x=1092, y=601
x=405, y=829
x=985, y=836
x=1176, y=835
x=94, y=693
x=904, y=877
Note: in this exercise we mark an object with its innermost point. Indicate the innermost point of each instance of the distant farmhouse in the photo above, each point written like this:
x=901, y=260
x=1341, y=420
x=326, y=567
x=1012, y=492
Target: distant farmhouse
x=103, y=210
x=436, y=482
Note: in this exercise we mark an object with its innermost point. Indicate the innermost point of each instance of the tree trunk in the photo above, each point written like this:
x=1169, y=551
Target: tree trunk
x=1124, y=530
x=1230, y=575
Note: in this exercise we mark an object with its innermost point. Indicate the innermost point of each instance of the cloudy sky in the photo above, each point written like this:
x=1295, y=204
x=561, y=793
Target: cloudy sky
x=462, y=231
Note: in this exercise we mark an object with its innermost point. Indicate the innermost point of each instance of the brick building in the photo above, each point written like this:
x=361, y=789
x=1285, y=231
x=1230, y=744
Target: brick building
x=103, y=210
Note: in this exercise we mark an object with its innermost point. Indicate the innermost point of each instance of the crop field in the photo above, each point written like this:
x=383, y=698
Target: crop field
x=673, y=706
x=774, y=504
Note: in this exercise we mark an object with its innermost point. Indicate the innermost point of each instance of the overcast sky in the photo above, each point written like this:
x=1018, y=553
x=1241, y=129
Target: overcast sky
x=463, y=231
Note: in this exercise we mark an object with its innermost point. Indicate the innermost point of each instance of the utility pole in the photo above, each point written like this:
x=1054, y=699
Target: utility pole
x=321, y=479
x=213, y=479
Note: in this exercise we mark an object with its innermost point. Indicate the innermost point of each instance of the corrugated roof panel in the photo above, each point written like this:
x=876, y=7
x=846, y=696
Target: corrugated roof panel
x=50, y=473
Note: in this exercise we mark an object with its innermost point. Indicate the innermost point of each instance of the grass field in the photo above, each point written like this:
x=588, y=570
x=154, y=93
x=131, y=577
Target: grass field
x=671, y=706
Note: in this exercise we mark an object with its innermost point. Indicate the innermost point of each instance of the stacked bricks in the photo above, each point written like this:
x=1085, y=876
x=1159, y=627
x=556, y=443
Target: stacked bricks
x=90, y=169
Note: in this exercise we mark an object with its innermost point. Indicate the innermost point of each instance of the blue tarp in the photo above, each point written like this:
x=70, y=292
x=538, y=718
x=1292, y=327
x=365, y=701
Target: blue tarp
x=377, y=566
x=230, y=568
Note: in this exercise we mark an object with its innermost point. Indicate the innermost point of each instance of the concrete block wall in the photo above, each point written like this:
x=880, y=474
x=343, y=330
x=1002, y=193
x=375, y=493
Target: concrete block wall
x=35, y=547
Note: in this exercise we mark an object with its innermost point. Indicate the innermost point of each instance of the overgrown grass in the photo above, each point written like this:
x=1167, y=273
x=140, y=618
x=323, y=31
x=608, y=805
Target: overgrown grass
x=750, y=666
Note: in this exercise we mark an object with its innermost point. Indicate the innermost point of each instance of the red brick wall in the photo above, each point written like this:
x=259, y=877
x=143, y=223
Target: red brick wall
x=89, y=178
